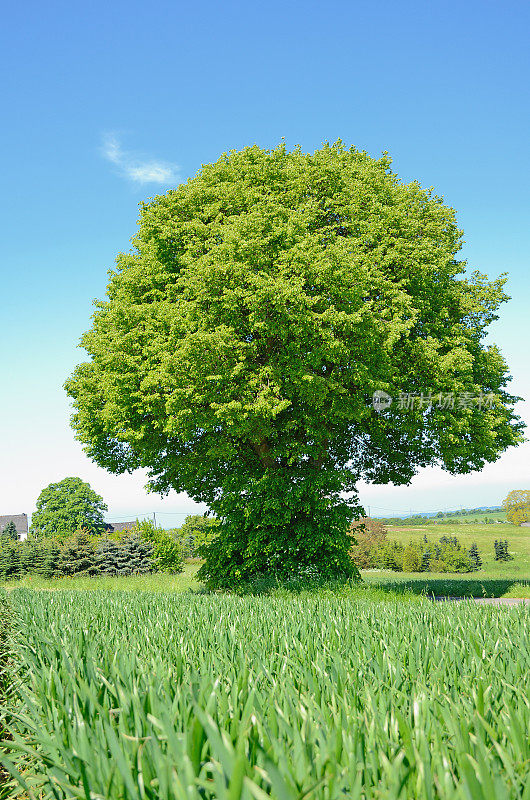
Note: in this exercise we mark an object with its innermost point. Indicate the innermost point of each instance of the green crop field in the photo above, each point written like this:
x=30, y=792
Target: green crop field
x=124, y=695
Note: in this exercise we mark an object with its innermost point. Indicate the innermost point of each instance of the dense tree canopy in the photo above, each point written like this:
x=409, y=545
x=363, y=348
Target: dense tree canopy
x=66, y=507
x=242, y=338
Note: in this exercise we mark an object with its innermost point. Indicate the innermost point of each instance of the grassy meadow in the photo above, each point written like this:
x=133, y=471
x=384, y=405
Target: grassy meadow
x=151, y=582
x=484, y=535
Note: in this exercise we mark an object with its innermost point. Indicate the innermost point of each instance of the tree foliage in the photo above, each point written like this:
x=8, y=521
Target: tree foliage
x=78, y=556
x=517, y=506
x=196, y=533
x=241, y=339
x=67, y=506
x=9, y=531
x=367, y=534
x=166, y=550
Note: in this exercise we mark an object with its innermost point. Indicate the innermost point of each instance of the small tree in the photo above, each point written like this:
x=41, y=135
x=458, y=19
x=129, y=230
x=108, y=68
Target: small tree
x=166, y=549
x=107, y=556
x=388, y=555
x=50, y=562
x=426, y=558
x=10, y=568
x=30, y=556
x=135, y=556
x=411, y=559
x=367, y=535
x=474, y=557
x=77, y=556
x=68, y=506
x=10, y=531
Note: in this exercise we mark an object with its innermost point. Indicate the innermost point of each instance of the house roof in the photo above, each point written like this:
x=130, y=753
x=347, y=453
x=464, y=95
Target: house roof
x=20, y=520
x=119, y=526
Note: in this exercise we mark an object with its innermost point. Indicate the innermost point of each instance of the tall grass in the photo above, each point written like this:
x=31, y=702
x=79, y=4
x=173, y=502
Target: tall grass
x=139, y=695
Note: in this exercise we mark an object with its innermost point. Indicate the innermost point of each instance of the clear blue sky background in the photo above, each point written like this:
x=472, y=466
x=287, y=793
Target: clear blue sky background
x=100, y=97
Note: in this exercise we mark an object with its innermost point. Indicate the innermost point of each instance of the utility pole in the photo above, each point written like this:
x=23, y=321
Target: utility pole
x=154, y=518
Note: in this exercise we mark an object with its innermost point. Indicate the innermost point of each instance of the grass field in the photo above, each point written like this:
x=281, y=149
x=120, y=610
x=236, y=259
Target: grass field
x=158, y=582
x=484, y=535
x=133, y=696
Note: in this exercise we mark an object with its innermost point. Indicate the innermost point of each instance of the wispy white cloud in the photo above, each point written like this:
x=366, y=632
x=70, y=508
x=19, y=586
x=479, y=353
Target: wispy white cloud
x=138, y=169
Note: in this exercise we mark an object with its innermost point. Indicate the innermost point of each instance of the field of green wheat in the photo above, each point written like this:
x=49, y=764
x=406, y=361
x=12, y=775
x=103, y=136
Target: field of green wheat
x=129, y=695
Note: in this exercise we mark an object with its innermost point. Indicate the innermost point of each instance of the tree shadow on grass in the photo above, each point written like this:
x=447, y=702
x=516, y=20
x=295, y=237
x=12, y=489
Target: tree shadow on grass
x=450, y=587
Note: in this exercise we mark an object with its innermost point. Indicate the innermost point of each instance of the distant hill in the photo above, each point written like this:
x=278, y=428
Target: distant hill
x=487, y=514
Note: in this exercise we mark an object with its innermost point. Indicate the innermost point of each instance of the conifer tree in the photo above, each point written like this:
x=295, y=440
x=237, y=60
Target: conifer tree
x=51, y=554
x=136, y=555
x=37, y=561
x=10, y=531
x=9, y=559
x=426, y=557
x=505, y=551
x=5, y=557
x=29, y=557
x=107, y=557
x=77, y=556
x=474, y=557
x=123, y=566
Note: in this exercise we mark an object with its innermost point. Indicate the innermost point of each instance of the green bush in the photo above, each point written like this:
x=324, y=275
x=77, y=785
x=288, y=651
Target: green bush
x=446, y=555
x=411, y=559
x=389, y=555
x=167, y=550
x=196, y=532
x=135, y=552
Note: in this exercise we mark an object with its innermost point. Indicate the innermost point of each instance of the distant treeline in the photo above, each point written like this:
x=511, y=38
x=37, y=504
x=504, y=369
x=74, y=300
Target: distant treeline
x=487, y=516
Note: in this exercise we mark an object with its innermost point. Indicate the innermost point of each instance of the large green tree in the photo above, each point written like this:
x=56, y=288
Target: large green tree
x=236, y=354
x=66, y=507
x=517, y=506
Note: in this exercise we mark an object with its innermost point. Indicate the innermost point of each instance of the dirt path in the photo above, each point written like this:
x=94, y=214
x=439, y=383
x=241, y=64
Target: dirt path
x=491, y=601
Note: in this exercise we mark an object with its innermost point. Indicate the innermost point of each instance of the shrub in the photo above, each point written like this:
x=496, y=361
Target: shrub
x=166, y=549
x=389, y=555
x=411, y=559
x=437, y=565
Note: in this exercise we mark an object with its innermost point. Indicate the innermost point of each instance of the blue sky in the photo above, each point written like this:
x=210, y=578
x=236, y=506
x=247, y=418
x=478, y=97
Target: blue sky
x=107, y=104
